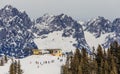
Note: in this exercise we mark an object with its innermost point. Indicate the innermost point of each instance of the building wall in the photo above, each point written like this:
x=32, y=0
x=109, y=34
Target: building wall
x=36, y=52
x=57, y=53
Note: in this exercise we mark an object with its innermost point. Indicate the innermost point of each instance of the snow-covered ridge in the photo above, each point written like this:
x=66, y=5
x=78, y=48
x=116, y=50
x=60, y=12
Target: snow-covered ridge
x=102, y=31
x=65, y=24
x=15, y=35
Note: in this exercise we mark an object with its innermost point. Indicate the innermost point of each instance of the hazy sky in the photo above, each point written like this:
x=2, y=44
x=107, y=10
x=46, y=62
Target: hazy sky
x=78, y=9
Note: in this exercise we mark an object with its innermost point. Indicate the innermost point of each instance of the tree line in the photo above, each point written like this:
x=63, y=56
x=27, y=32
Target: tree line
x=3, y=60
x=101, y=61
x=15, y=67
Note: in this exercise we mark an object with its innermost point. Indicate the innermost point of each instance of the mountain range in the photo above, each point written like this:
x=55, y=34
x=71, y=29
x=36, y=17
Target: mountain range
x=19, y=34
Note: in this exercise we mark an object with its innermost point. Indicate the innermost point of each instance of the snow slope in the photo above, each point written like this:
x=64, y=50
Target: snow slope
x=33, y=68
x=71, y=37
x=55, y=40
x=29, y=65
x=93, y=41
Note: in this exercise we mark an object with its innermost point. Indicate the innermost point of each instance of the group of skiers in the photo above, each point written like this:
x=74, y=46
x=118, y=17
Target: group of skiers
x=46, y=62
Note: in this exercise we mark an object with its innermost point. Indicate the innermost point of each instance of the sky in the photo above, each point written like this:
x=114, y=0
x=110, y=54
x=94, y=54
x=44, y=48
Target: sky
x=78, y=9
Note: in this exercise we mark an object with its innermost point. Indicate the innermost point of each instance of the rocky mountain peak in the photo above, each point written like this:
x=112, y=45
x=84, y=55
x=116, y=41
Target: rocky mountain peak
x=99, y=26
x=8, y=7
x=15, y=35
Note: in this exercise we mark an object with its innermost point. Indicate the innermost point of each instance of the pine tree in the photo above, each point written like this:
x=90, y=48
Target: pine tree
x=101, y=67
x=15, y=66
x=94, y=67
x=93, y=53
x=113, y=66
x=85, y=63
x=2, y=62
x=99, y=58
x=118, y=59
x=104, y=55
x=12, y=69
x=65, y=70
x=68, y=61
x=106, y=67
x=80, y=69
x=75, y=62
x=19, y=70
x=100, y=63
x=114, y=47
x=115, y=50
x=6, y=59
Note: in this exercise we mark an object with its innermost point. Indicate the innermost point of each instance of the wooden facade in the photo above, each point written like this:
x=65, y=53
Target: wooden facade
x=55, y=52
x=36, y=52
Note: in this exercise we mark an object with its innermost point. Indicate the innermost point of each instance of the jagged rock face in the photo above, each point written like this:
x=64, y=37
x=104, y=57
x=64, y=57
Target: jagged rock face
x=17, y=31
x=116, y=25
x=99, y=26
x=15, y=34
x=49, y=23
x=116, y=33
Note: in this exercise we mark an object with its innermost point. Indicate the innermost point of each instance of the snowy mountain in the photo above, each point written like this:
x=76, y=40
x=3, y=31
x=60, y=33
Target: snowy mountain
x=99, y=26
x=18, y=34
x=55, y=40
x=59, y=31
x=116, y=25
x=102, y=31
x=116, y=33
x=16, y=37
